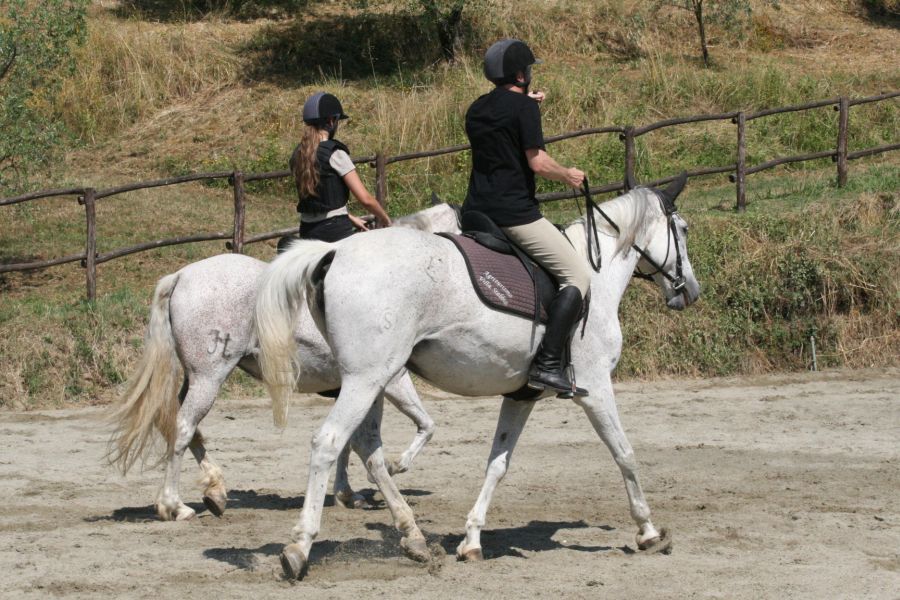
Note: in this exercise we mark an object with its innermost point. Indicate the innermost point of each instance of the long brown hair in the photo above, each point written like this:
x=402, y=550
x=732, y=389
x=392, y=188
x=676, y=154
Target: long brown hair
x=304, y=164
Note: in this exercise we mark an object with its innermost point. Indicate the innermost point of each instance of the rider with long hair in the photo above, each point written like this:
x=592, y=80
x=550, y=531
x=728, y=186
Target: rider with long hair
x=325, y=176
x=504, y=128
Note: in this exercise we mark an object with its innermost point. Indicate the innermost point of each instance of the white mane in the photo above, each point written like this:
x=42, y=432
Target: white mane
x=628, y=211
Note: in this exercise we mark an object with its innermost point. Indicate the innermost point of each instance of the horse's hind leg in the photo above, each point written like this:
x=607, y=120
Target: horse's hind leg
x=402, y=394
x=357, y=397
x=343, y=494
x=215, y=495
x=600, y=408
x=513, y=416
x=196, y=404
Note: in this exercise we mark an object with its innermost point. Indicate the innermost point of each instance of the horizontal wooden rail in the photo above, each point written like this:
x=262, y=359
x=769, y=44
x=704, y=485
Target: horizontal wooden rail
x=682, y=120
x=41, y=264
x=877, y=98
x=202, y=237
x=787, y=159
x=271, y=235
x=871, y=151
x=161, y=182
x=794, y=108
x=42, y=194
x=573, y=193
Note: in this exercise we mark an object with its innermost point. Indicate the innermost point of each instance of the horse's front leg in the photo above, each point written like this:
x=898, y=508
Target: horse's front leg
x=600, y=408
x=513, y=416
x=367, y=443
x=402, y=394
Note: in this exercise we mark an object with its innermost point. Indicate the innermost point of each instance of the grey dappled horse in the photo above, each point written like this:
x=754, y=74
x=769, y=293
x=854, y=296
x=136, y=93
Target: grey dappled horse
x=200, y=329
x=416, y=308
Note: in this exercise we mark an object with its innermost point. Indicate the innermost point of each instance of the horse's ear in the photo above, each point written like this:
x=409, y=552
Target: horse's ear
x=672, y=191
x=435, y=200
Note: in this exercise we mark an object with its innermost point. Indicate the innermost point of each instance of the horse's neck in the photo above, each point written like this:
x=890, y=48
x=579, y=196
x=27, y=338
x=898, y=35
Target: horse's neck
x=614, y=276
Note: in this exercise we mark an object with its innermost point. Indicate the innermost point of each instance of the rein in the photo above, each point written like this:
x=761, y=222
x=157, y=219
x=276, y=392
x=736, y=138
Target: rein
x=669, y=209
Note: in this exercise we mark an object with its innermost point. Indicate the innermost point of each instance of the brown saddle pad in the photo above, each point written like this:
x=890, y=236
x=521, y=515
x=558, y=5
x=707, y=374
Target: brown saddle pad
x=501, y=280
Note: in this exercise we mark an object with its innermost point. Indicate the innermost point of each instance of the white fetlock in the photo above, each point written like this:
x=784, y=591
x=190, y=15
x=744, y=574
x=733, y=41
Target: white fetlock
x=350, y=500
x=656, y=542
x=181, y=512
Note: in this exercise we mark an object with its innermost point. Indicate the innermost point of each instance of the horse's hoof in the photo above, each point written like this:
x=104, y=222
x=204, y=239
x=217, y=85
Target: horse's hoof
x=416, y=549
x=351, y=500
x=657, y=545
x=293, y=562
x=470, y=555
x=215, y=504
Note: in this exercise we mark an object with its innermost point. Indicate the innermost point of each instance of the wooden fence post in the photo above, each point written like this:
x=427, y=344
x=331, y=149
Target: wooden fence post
x=237, y=238
x=843, y=125
x=628, y=138
x=741, y=167
x=380, y=178
x=90, y=250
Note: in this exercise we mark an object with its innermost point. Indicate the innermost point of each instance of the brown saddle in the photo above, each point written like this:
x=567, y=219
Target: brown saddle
x=503, y=276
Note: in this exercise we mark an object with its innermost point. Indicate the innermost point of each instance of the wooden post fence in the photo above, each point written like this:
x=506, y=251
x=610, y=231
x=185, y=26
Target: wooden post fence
x=843, y=126
x=89, y=199
x=237, y=238
x=628, y=138
x=741, y=166
x=380, y=178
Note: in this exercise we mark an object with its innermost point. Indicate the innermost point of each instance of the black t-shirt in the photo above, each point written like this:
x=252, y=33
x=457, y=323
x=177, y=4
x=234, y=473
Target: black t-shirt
x=501, y=126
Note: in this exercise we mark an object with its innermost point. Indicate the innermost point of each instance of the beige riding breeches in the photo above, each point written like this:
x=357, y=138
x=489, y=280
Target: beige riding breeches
x=546, y=244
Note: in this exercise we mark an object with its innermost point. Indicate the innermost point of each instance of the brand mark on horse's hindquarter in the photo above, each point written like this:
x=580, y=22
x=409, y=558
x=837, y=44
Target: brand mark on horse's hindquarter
x=217, y=339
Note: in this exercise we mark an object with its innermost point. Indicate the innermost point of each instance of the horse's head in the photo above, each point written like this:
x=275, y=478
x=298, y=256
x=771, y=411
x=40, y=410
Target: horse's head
x=665, y=257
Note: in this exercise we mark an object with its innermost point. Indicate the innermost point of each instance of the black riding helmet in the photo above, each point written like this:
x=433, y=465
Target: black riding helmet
x=320, y=107
x=506, y=58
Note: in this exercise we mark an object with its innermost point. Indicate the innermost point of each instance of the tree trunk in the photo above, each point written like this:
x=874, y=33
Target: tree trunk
x=449, y=32
x=698, y=14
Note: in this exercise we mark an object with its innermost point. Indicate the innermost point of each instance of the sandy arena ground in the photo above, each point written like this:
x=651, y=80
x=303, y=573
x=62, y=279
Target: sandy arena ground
x=774, y=487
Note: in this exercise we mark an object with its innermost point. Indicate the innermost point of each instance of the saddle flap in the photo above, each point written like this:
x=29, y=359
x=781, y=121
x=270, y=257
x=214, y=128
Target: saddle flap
x=502, y=282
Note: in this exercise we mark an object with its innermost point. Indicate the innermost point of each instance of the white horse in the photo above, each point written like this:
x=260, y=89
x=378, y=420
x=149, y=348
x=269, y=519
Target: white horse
x=416, y=307
x=200, y=329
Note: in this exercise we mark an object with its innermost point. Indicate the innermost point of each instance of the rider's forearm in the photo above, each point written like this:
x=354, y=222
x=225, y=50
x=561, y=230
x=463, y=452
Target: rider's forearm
x=372, y=205
x=544, y=165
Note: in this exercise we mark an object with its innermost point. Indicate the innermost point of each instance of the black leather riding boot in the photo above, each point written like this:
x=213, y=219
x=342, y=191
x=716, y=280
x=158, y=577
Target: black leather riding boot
x=548, y=368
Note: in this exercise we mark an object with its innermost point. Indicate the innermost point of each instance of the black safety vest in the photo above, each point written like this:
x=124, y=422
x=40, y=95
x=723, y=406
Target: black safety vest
x=331, y=192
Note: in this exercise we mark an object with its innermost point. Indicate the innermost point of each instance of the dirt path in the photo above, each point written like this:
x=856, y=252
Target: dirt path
x=772, y=487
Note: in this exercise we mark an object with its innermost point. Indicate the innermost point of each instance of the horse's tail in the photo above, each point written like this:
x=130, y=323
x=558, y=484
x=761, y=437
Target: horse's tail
x=151, y=394
x=282, y=294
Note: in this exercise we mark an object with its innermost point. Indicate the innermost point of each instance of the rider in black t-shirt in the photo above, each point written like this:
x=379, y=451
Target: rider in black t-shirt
x=504, y=128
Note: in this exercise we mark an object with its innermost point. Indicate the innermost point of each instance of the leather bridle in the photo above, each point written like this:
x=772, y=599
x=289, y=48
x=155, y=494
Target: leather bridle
x=668, y=205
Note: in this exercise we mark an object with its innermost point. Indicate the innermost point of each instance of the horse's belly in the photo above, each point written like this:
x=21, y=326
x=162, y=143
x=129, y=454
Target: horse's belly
x=471, y=365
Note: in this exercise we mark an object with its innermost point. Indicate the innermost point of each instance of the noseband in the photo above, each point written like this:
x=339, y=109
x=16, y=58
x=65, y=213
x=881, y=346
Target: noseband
x=670, y=210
